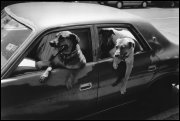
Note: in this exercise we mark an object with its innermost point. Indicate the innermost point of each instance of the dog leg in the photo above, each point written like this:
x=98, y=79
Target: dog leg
x=116, y=61
x=70, y=79
x=45, y=75
x=123, y=84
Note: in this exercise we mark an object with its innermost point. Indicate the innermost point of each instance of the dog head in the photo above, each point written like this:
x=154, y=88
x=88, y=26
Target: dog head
x=124, y=48
x=65, y=40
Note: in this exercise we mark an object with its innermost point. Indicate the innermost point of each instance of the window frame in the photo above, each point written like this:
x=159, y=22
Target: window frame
x=143, y=44
x=52, y=30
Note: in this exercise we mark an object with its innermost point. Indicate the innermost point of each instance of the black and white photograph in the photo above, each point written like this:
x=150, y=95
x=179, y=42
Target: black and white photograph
x=90, y=60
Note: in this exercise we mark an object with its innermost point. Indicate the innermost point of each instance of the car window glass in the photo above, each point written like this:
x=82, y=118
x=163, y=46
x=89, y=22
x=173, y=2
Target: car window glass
x=13, y=35
x=105, y=43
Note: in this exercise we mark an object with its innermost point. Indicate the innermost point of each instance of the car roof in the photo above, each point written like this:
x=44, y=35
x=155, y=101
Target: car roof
x=43, y=15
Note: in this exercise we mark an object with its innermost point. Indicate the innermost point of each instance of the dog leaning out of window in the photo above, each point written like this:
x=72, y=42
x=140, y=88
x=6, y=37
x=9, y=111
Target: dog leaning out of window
x=65, y=53
x=120, y=46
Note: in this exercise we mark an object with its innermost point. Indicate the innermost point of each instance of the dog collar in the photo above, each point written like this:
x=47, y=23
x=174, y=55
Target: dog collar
x=65, y=58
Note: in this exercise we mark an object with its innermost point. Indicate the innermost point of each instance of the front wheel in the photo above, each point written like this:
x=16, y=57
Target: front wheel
x=144, y=4
x=172, y=4
x=119, y=5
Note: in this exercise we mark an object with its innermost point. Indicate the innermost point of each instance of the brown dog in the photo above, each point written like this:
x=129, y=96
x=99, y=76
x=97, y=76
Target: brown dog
x=68, y=55
x=119, y=45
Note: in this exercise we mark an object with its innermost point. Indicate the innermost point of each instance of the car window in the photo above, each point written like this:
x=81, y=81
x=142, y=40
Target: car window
x=44, y=51
x=13, y=35
x=105, y=45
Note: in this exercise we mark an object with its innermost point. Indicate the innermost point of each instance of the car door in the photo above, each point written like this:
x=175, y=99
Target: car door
x=132, y=3
x=24, y=97
x=109, y=95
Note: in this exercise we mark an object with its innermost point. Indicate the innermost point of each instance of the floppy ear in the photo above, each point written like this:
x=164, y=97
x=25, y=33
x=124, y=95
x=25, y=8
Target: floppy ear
x=75, y=39
x=130, y=44
x=111, y=32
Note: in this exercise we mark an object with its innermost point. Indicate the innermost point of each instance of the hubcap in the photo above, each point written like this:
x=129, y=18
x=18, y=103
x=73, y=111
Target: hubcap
x=144, y=4
x=119, y=5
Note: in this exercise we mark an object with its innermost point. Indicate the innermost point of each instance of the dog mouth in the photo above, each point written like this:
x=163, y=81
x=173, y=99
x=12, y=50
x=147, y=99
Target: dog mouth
x=121, y=56
x=58, y=46
x=63, y=48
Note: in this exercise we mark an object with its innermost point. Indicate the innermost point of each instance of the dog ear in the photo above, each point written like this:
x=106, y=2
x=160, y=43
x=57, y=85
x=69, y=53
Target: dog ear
x=75, y=39
x=130, y=44
x=111, y=32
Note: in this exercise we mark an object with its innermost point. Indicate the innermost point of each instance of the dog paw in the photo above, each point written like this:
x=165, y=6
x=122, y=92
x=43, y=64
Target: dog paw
x=43, y=79
x=123, y=90
x=115, y=66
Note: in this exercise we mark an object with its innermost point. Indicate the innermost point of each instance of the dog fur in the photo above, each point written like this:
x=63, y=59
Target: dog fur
x=121, y=48
x=70, y=58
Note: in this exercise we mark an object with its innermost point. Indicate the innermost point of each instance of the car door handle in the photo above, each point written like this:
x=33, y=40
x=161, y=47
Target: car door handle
x=152, y=68
x=86, y=86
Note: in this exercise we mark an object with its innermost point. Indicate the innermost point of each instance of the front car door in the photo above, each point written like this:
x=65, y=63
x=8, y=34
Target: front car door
x=24, y=97
x=109, y=95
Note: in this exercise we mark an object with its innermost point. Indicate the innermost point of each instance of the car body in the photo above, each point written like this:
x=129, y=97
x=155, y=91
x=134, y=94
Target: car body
x=171, y=3
x=24, y=97
x=121, y=4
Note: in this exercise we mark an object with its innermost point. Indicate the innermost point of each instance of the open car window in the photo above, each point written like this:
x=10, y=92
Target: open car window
x=44, y=51
x=104, y=50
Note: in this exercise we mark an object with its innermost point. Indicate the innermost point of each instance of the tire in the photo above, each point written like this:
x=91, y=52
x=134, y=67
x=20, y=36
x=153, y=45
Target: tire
x=172, y=4
x=119, y=5
x=144, y=4
x=101, y=3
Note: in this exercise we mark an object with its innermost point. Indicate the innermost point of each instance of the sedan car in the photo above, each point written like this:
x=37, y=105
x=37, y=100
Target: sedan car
x=121, y=4
x=26, y=29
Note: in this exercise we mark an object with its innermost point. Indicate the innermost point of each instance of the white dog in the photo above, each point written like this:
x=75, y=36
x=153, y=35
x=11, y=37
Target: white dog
x=122, y=44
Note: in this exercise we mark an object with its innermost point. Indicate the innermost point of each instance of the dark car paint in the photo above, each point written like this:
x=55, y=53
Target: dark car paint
x=23, y=96
x=28, y=96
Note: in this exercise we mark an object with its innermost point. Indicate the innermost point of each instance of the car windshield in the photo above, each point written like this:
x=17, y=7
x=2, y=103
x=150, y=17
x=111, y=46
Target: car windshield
x=13, y=34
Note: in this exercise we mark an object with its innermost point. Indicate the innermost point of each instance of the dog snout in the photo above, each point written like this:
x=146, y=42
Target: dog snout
x=116, y=55
x=53, y=43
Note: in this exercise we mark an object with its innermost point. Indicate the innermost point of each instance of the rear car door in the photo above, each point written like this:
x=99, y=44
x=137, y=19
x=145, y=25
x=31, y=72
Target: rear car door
x=109, y=95
x=24, y=97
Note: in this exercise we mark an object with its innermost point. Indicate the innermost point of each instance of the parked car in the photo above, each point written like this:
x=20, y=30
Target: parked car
x=171, y=3
x=121, y=4
x=28, y=26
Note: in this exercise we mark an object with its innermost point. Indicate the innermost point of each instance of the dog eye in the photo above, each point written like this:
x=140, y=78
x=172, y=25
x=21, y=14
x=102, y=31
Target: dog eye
x=116, y=47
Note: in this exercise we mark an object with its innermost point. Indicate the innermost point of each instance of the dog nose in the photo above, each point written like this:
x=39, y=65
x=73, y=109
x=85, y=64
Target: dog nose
x=116, y=55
